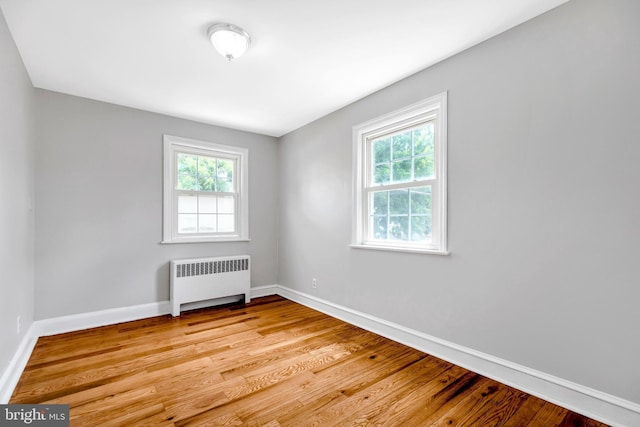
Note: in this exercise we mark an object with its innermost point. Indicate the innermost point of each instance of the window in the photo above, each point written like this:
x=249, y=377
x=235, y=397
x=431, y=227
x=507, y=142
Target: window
x=205, y=191
x=400, y=179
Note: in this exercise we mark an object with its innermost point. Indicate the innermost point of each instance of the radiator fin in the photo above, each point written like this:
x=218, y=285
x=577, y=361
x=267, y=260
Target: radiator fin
x=211, y=267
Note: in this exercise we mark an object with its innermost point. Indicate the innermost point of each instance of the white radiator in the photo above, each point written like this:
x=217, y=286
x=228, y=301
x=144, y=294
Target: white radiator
x=201, y=279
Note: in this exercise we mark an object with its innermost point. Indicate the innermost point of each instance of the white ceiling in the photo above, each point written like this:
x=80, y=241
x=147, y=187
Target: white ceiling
x=307, y=58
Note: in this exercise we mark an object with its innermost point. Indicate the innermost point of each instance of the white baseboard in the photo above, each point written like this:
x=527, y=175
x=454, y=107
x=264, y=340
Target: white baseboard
x=595, y=404
x=264, y=291
x=592, y=403
x=11, y=375
x=78, y=322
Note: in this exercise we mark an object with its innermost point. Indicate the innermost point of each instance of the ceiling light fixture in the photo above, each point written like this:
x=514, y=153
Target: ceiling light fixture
x=228, y=39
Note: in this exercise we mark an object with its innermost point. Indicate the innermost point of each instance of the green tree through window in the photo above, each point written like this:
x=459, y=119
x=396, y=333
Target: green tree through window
x=202, y=173
x=406, y=156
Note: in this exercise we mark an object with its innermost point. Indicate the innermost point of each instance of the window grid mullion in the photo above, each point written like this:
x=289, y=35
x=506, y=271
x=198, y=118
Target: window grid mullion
x=197, y=173
x=409, y=219
x=197, y=210
x=390, y=165
x=388, y=214
x=217, y=210
x=215, y=177
x=391, y=160
x=413, y=156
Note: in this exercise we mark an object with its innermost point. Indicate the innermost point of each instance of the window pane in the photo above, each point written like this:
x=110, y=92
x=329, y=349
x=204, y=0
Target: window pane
x=423, y=140
x=382, y=151
x=420, y=228
x=382, y=174
x=206, y=223
x=187, y=164
x=186, y=182
x=207, y=204
x=380, y=203
x=224, y=182
x=401, y=145
x=379, y=225
x=226, y=204
x=187, y=204
x=187, y=223
x=206, y=166
x=423, y=167
x=226, y=223
x=204, y=173
x=399, y=227
x=224, y=186
x=225, y=170
x=402, y=170
x=206, y=183
x=399, y=202
x=421, y=200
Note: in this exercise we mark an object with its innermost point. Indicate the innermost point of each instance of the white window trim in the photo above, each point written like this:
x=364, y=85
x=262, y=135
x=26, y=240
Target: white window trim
x=434, y=106
x=176, y=143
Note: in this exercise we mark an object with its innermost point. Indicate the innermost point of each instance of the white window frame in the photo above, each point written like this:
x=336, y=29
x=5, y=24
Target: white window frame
x=176, y=144
x=433, y=109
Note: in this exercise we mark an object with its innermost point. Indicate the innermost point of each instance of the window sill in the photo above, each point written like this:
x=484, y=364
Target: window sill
x=401, y=249
x=230, y=240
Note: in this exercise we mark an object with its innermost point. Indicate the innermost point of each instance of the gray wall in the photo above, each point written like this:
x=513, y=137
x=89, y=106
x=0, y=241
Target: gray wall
x=544, y=208
x=16, y=196
x=99, y=217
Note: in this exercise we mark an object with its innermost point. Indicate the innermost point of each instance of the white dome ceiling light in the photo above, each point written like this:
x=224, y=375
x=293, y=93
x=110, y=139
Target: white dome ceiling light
x=229, y=40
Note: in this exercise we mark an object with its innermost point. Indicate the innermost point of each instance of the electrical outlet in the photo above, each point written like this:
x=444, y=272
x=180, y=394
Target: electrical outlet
x=18, y=325
x=314, y=283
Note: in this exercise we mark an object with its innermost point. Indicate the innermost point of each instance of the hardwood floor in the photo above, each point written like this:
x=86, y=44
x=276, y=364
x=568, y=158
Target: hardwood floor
x=269, y=363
